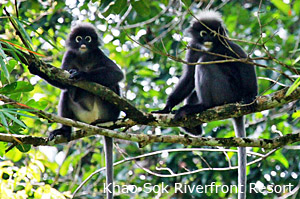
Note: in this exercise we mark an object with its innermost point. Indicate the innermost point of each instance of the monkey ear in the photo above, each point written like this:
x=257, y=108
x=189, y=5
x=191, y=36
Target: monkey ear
x=225, y=31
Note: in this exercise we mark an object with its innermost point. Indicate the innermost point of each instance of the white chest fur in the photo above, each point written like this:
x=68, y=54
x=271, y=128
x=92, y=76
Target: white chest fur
x=88, y=116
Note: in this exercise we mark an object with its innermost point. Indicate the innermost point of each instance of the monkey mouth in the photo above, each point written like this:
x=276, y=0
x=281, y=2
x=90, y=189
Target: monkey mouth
x=83, y=48
x=208, y=44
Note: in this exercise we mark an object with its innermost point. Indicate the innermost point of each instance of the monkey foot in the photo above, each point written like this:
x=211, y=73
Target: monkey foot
x=64, y=131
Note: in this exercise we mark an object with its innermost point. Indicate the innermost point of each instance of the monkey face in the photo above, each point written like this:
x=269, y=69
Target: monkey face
x=83, y=42
x=207, y=38
x=207, y=33
x=83, y=38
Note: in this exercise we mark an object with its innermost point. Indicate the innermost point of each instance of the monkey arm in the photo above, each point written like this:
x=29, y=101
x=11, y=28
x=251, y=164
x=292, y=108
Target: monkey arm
x=186, y=83
x=104, y=71
x=107, y=75
x=184, y=87
x=104, y=75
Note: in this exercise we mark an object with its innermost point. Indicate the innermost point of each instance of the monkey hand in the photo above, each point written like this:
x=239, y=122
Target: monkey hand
x=188, y=110
x=181, y=113
x=76, y=75
x=60, y=131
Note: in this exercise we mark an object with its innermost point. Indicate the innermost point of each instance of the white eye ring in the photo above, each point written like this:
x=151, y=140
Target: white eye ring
x=202, y=33
x=88, y=38
x=213, y=33
x=78, y=39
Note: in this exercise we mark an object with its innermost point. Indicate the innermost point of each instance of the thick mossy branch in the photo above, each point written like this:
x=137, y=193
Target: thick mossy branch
x=147, y=139
x=103, y=92
x=88, y=130
x=266, y=102
x=137, y=117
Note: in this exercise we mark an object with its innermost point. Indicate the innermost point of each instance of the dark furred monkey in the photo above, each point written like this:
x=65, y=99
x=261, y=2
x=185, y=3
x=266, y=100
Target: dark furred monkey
x=85, y=61
x=210, y=85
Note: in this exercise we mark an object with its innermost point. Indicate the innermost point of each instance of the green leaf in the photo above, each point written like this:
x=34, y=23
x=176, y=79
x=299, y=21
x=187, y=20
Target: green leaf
x=14, y=155
x=17, y=87
x=296, y=60
x=281, y=158
x=108, y=11
x=65, y=166
x=3, y=146
x=293, y=87
x=146, y=72
x=23, y=32
x=70, y=159
x=285, y=8
x=40, y=35
x=187, y=2
x=119, y=6
x=141, y=7
x=297, y=7
x=4, y=68
x=24, y=147
x=115, y=7
x=15, y=111
x=3, y=120
x=13, y=50
x=37, y=104
x=16, y=120
x=2, y=52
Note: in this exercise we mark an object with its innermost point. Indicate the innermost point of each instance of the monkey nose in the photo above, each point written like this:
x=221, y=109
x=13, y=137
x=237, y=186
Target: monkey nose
x=83, y=47
x=208, y=44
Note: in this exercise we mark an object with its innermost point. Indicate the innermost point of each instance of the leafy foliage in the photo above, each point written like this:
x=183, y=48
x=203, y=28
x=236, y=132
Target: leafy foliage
x=139, y=35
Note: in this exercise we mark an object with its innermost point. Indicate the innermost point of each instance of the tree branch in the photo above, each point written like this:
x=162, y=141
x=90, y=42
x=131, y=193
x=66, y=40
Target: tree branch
x=135, y=116
x=103, y=92
x=62, y=76
x=89, y=130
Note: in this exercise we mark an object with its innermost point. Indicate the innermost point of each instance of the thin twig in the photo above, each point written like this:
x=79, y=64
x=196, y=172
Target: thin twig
x=172, y=173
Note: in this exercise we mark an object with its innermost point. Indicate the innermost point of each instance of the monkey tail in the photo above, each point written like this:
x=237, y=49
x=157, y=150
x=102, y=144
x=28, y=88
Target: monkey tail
x=108, y=146
x=239, y=128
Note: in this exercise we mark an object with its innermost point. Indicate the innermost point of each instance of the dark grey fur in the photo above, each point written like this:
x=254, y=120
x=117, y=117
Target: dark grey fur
x=92, y=65
x=207, y=86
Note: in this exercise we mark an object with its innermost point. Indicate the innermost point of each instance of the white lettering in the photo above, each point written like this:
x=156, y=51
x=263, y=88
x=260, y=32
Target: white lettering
x=199, y=189
x=191, y=188
x=235, y=188
x=278, y=191
x=178, y=187
x=290, y=186
x=108, y=188
x=270, y=188
x=164, y=188
x=186, y=188
x=147, y=187
x=125, y=189
x=226, y=189
x=252, y=188
x=211, y=187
